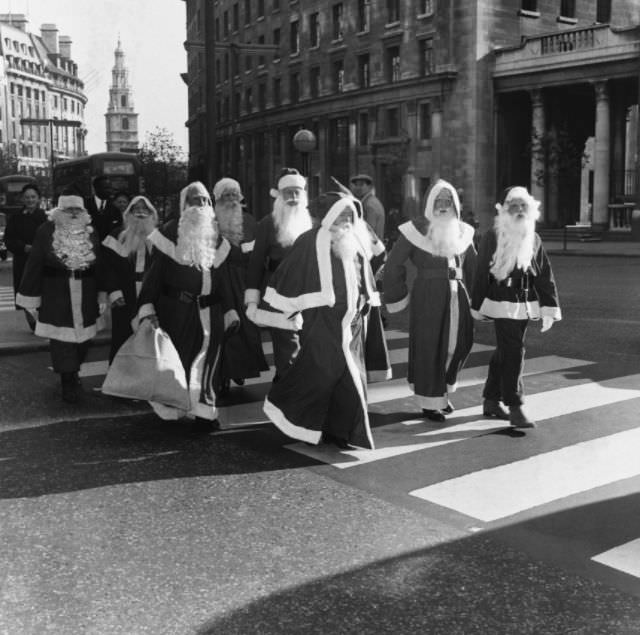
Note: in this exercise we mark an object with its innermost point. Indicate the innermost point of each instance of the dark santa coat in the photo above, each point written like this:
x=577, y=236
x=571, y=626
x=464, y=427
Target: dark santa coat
x=67, y=301
x=196, y=328
x=524, y=294
x=440, y=323
x=242, y=355
x=122, y=276
x=324, y=388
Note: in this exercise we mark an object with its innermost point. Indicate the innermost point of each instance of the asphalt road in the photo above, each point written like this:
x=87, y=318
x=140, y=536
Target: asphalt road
x=114, y=522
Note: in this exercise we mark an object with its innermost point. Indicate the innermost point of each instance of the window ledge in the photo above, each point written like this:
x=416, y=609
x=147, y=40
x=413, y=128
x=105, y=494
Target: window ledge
x=528, y=14
x=361, y=33
x=337, y=41
x=392, y=25
x=566, y=20
x=422, y=16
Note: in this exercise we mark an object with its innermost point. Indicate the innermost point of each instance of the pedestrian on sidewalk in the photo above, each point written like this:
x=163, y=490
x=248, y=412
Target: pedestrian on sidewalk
x=275, y=235
x=440, y=246
x=514, y=283
x=60, y=286
x=105, y=216
x=242, y=354
x=328, y=279
x=19, y=236
x=186, y=293
x=373, y=209
x=126, y=257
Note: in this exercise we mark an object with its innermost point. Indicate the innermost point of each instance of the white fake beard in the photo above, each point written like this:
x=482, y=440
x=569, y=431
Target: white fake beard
x=345, y=244
x=197, y=237
x=445, y=234
x=291, y=220
x=229, y=217
x=71, y=242
x=515, y=243
x=135, y=232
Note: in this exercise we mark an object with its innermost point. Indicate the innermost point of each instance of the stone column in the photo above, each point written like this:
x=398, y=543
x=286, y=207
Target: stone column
x=538, y=126
x=602, y=154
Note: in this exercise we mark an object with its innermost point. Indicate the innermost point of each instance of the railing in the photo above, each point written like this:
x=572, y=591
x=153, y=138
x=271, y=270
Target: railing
x=620, y=217
x=568, y=41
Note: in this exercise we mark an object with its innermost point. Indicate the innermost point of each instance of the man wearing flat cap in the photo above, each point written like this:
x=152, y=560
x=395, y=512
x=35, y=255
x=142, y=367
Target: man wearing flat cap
x=60, y=286
x=362, y=188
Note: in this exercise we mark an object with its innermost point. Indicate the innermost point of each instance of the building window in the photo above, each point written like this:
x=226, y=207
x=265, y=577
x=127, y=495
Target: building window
x=392, y=124
x=337, y=16
x=314, y=30
x=424, y=122
x=314, y=81
x=393, y=11
x=364, y=7
x=248, y=61
x=427, y=7
x=276, y=41
x=225, y=23
x=217, y=28
x=123, y=100
x=226, y=66
x=225, y=108
x=236, y=106
x=338, y=76
x=603, y=11
x=248, y=100
x=294, y=38
x=236, y=17
x=260, y=8
x=568, y=8
x=363, y=71
x=276, y=5
x=277, y=96
x=262, y=96
x=363, y=129
x=247, y=11
x=294, y=88
x=393, y=64
x=125, y=123
x=261, y=57
x=427, y=58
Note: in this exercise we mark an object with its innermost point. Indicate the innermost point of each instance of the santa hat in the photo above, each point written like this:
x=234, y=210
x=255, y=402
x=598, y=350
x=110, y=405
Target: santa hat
x=195, y=186
x=224, y=185
x=146, y=201
x=70, y=200
x=440, y=185
x=289, y=177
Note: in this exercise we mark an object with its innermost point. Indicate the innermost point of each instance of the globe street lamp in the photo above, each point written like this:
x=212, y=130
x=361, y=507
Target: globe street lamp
x=304, y=141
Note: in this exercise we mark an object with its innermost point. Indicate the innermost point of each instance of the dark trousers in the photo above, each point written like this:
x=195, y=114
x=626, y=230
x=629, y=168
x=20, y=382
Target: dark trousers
x=67, y=357
x=504, y=382
x=286, y=345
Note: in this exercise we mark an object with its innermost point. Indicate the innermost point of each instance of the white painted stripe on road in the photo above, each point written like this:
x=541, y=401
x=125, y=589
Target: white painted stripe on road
x=391, y=441
x=625, y=558
x=399, y=389
x=506, y=490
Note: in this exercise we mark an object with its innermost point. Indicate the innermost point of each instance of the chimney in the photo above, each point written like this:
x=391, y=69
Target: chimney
x=17, y=20
x=49, y=35
x=64, y=42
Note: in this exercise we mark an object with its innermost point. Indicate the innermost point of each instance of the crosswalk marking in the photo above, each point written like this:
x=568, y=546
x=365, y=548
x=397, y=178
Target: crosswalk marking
x=474, y=376
x=506, y=490
x=625, y=558
x=7, y=302
x=392, y=441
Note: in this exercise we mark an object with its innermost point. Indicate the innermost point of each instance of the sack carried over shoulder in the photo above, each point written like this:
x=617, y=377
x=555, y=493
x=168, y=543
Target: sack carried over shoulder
x=148, y=367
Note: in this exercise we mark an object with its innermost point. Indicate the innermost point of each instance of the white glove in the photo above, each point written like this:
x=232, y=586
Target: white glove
x=252, y=309
x=476, y=315
x=153, y=320
x=547, y=323
x=102, y=307
x=231, y=319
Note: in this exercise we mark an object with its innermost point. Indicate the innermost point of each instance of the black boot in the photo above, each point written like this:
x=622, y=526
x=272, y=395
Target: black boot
x=518, y=419
x=69, y=387
x=433, y=415
x=492, y=409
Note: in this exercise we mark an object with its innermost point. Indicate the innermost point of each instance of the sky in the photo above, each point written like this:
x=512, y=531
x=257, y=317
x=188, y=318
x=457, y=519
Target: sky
x=152, y=33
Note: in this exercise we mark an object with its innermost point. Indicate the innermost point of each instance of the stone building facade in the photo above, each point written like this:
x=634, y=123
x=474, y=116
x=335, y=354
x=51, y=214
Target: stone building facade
x=484, y=93
x=121, y=118
x=39, y=81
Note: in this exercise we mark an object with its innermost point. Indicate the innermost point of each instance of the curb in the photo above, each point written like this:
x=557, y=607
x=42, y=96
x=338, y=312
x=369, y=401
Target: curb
x=13, y=348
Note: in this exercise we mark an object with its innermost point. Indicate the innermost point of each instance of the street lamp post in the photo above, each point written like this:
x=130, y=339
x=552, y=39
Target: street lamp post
x=304, y=141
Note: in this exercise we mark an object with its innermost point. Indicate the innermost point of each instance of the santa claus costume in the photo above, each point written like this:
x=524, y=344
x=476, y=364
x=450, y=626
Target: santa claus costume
x=440, y=246
x=327, y=278
x=60, y=283
x=514, y=283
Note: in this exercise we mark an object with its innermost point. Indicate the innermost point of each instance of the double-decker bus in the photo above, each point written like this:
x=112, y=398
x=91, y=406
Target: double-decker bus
x=121, y=168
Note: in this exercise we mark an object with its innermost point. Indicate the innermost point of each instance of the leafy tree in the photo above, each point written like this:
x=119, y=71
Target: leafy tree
x=164, y=170
x=8, y=162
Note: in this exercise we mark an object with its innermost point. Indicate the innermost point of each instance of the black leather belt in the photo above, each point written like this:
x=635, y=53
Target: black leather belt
x=75, y=274
x=450, y=273
x=203, y=301
x=521, y=282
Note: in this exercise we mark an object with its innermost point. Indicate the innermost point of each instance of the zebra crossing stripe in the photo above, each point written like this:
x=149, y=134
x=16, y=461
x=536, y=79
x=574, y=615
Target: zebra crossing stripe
x=625, y=558
x=392, y=440
x=474, y=376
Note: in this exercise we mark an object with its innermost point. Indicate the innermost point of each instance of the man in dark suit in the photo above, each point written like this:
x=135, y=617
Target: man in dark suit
x=105, y=216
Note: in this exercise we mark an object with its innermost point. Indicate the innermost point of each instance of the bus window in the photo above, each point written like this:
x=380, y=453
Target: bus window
x=121, y=168
x=11, y=191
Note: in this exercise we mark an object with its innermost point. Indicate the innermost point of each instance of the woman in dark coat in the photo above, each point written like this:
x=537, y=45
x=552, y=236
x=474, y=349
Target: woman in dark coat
x=19, y=235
